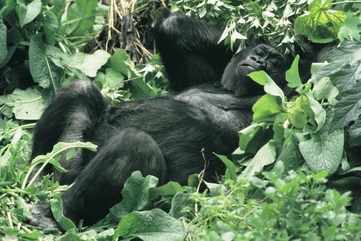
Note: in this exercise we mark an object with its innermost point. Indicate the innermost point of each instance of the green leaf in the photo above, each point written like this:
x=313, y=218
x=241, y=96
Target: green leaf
x=51, y=26
x=354, y=133
x=111, y=80
x=270, y=87
x=80, y=18
x=26, y=104
x=265, y=156
x=136, y=195
x=231, y=168
x=324, y=89
x=3, y=42
x=40, y=67
x=89, y=64
x=168, y=189
x=119, y=60
x=245, y=136
x=319, y=112
x=8, y=7
x=292, y=75
x=350, y=30
x=65, y=223
x=321, y=23
x=348, y=109
x=266, y=107
x=154, y=225
x=180, y=201
x=27, y=13
x=298, y=112
x=324, y=151
x=290, y=155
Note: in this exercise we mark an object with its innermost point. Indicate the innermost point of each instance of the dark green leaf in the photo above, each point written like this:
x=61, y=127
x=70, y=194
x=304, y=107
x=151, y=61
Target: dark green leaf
x=40, y=67
x=3, y=42
x=154, y=225
x=136, y=195
x=56, y=205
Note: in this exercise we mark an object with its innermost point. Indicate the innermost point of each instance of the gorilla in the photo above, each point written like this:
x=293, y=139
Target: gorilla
x=170, y=137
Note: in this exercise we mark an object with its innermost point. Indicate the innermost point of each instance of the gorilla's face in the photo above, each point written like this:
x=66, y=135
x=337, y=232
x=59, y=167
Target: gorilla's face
x=261, y=57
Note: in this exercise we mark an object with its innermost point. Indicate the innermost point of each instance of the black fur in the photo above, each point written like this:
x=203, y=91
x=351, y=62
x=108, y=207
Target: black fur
x=169, y=137
x=189, y=50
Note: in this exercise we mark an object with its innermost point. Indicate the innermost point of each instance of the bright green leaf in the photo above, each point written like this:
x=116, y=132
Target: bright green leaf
x=265, y=156
x=292, y=75
x=270, y=87
x=27, y=13
x=324, y=151
x=266, y=107
x=89, y=64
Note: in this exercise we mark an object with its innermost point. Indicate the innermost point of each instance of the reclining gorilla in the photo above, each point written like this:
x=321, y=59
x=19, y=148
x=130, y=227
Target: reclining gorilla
x=167, y=137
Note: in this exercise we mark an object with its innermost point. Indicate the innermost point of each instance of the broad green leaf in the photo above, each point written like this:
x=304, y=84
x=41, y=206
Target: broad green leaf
x=299, y=111
x=27, y=104
x=265, y=156
x=324, y=151
x=87, y=10
x=7, y=7
x=324, y=89
x=27, y=13
x=354, y=133
x=40, y=67
x=136, y=195
x=266, y=107
x=292, y=75
x=168, y=189
x=56, y=205
x=270, y=87
x=290, y=155
x=319, y=112
x=111, y=80
x=350, y=30
x=80, y=18
x=231, y=168
x=321, y=23
x=245, y=136
x=119, y=60
x=51, y=26
x=3, y=42
x=153, y=225
x=89, y=64
x=348, y=109
x=180, y=201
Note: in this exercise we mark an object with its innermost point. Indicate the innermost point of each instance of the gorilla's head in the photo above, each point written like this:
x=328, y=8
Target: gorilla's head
x=260, y=57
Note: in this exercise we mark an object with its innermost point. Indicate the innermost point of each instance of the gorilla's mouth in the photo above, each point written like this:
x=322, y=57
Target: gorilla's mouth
x=246, y=69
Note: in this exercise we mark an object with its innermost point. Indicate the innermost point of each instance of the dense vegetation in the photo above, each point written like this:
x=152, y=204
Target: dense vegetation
x=293, y=184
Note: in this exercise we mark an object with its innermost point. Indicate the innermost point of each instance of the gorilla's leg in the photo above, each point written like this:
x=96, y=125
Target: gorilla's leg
x=190, y=50
x=70, y=117
x=98, y=187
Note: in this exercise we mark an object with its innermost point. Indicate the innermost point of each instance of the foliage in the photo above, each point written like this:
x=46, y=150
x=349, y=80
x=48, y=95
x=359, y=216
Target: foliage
x=275, y=189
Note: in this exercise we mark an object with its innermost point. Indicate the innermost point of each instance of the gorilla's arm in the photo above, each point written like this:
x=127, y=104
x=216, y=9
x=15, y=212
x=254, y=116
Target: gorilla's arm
x=190, y=50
